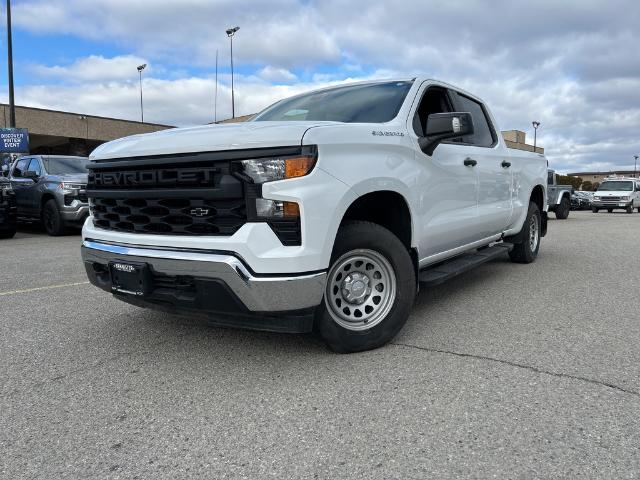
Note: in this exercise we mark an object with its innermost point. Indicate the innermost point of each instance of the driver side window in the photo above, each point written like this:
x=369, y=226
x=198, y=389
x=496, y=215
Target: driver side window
x=20, y=167
x=34, y=166
x=434, y=100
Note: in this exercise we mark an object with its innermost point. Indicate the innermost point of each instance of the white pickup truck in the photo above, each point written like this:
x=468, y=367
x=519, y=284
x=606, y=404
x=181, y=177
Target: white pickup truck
x=325, y=211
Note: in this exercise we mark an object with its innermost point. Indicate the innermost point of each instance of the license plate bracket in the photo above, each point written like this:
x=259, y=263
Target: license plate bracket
x=131, y=278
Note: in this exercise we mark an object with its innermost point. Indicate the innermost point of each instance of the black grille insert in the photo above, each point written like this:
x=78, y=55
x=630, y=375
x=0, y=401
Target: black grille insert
x=195, y=216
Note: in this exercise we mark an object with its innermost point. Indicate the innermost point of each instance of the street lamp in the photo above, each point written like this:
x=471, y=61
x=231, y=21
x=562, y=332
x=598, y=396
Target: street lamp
x=12, y=103
x=230, y=33
x=535, y=134
x=140, y=69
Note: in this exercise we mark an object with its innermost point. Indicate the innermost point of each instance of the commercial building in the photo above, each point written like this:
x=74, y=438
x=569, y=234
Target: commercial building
x=598, y=177
x=64, y=133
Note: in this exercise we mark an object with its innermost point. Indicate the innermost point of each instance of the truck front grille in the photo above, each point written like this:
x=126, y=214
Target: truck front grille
x=181, y=195
x=178, y=216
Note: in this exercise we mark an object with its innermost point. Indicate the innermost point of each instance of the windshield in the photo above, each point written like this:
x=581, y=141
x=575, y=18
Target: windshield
x=616, y=187
x=372, y=103
x=65, y=165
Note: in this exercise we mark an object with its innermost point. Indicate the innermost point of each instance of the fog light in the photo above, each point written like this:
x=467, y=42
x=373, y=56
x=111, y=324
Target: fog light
x=276, y=209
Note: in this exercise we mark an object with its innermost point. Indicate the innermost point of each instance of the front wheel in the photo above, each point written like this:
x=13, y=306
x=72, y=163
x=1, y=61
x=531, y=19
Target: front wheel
x=52, y=220
x=610, y=210
x=630, y=209
x=563, y=209
x=371, y=286
x=526, y=250
x=9, y=233
x=596, y=210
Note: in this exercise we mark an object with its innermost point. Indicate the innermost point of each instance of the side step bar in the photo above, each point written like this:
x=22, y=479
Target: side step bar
x=442, y=272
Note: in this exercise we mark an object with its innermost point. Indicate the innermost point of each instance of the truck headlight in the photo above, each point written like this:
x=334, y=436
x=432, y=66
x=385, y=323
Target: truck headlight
x=262, y=170
x=625, y=199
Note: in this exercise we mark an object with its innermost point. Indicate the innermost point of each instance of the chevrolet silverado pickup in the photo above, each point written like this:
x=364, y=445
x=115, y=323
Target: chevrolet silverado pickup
x=323, y=213
x=51, y=189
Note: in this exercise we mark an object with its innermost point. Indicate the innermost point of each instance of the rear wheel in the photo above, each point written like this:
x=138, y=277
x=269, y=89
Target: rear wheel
x=563, y=209
x=52, y=220
x=526, y=250
x=370, y=289
x=596, y=210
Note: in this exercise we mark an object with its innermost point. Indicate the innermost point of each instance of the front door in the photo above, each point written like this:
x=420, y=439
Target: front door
x=448, y=190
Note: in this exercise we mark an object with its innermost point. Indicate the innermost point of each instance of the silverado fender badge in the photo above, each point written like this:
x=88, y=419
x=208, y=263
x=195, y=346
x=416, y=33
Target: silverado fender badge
x=380, y=133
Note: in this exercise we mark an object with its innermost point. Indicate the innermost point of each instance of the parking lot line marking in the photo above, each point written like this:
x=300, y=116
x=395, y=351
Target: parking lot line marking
x=36, y=289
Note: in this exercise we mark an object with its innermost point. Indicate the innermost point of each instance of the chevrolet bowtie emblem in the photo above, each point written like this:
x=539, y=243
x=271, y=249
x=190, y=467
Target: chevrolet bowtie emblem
x=199, y=212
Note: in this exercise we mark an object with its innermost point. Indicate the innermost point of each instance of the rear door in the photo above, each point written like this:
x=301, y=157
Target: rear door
x=493, y=167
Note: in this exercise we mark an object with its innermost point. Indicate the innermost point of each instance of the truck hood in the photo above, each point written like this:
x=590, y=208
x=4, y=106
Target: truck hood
x=81, y=178
x=207, y=138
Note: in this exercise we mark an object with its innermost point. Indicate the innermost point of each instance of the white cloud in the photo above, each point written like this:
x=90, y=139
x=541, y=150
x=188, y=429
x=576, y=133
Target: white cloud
x=274, y=74
x=572, y=65
x=94, y=68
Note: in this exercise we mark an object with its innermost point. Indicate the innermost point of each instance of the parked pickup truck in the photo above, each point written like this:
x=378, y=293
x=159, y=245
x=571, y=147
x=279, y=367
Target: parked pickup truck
x=558, y=196
x=51, y=189
x=325, y=211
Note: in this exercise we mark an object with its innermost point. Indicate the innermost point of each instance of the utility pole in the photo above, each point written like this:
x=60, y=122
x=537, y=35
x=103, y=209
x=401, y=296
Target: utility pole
x=230, y=33
x=635, y=166
x=215, y=99
x=140, y=69
x=535, y=134
x=12, y=103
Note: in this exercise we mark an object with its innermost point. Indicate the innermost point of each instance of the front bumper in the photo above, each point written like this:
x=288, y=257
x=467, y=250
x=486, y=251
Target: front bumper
x=201, y=281
x=607, y=204
x=75, y=214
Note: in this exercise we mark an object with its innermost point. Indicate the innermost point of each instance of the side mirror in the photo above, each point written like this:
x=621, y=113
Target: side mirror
x=443, y=126
x=30, y=174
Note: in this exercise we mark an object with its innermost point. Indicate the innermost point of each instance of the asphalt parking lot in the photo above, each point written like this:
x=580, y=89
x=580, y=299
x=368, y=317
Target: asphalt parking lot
x=510, y=371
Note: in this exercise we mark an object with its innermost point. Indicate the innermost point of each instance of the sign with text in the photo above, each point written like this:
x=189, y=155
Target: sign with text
x=14, y=140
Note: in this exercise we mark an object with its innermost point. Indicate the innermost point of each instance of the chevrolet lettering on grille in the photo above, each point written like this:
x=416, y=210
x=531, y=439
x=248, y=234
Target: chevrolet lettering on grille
x=156, y=177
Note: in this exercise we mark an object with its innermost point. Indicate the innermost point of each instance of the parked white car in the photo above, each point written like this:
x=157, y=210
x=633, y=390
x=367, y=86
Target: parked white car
x=326, y=210
x=617, y=193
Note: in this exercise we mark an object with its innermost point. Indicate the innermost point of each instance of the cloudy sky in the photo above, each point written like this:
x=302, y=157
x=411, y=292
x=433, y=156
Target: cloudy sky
x=574, y=65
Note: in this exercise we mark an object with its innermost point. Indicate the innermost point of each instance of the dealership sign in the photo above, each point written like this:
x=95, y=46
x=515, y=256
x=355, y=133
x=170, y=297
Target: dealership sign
x=14, y=140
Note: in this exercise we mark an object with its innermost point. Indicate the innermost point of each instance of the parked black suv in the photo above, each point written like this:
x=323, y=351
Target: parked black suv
x=7, y=209
x=51, y=189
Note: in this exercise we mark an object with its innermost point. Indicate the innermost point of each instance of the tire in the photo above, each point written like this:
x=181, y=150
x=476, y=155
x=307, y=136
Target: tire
x=10, y=233
x=595, y=210
x=380, y=267
x=610, y=210
x=526, y=251
x=630, y=209
x=52, y=220
x=563, y=209
x=638, y=209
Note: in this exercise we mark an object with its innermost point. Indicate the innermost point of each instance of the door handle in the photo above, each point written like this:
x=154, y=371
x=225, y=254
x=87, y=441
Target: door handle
x=470, y=162
x=506, y=164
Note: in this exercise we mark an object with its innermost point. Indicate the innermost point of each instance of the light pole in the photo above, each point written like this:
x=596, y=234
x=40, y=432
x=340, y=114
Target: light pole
x=12, y=103
x=635, y=166
x=140, y=69
x=230, y=33
x=535, y=134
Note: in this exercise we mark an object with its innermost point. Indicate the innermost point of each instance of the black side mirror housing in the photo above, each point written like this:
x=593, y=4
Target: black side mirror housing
x=443, y=126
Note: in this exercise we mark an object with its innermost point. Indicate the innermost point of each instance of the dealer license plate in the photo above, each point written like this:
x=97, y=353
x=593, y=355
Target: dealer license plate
x=130, y=278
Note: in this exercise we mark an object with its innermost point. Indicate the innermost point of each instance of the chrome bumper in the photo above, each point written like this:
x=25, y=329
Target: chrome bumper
x=259, y=293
